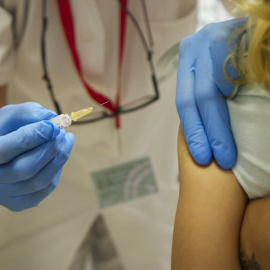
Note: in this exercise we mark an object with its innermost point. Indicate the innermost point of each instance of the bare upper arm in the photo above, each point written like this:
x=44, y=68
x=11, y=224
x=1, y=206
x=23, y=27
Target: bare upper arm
x=255, y=234
x=209, y=214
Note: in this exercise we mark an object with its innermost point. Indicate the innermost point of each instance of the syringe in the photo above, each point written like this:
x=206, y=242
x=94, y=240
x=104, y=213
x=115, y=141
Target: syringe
x=65, y=120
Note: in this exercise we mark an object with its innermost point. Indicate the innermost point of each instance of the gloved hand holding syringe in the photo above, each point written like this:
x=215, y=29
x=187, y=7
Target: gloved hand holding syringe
x=65, y=120
x=34, y=151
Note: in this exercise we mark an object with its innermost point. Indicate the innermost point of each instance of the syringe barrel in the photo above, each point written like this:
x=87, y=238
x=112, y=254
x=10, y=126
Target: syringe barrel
x=62, y=120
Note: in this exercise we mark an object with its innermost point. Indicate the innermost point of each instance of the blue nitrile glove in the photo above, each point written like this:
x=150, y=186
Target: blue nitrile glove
x=32, y=155
x=201, y=91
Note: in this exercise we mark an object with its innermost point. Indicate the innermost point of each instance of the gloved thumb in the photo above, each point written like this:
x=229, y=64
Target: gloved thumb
x=17, y=115
x=26, y=138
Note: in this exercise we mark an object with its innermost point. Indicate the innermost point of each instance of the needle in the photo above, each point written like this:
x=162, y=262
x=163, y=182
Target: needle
x=65, y=120
x=81, y=113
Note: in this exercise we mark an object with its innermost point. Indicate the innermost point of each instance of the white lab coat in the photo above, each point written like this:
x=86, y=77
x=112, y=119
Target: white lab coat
x=48, y=236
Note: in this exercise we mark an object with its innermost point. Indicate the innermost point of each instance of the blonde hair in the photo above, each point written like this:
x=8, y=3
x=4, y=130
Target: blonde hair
x=257, y=65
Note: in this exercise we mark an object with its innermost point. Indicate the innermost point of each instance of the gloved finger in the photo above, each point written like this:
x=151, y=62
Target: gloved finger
x=28, y=164
x=17, y=115
x=219, y=54
x=221, y=48
x=25, y=139
x=45, y=176
x=214, y=113
x=24, y=202
x=187, y=109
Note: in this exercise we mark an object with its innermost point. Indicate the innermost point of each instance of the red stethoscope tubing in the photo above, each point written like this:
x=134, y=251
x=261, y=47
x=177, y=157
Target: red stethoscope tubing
x=68, y=27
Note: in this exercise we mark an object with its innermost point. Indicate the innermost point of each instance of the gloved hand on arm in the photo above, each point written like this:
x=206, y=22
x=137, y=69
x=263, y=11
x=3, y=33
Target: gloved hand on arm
x=202, y=88
x=32, y=155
